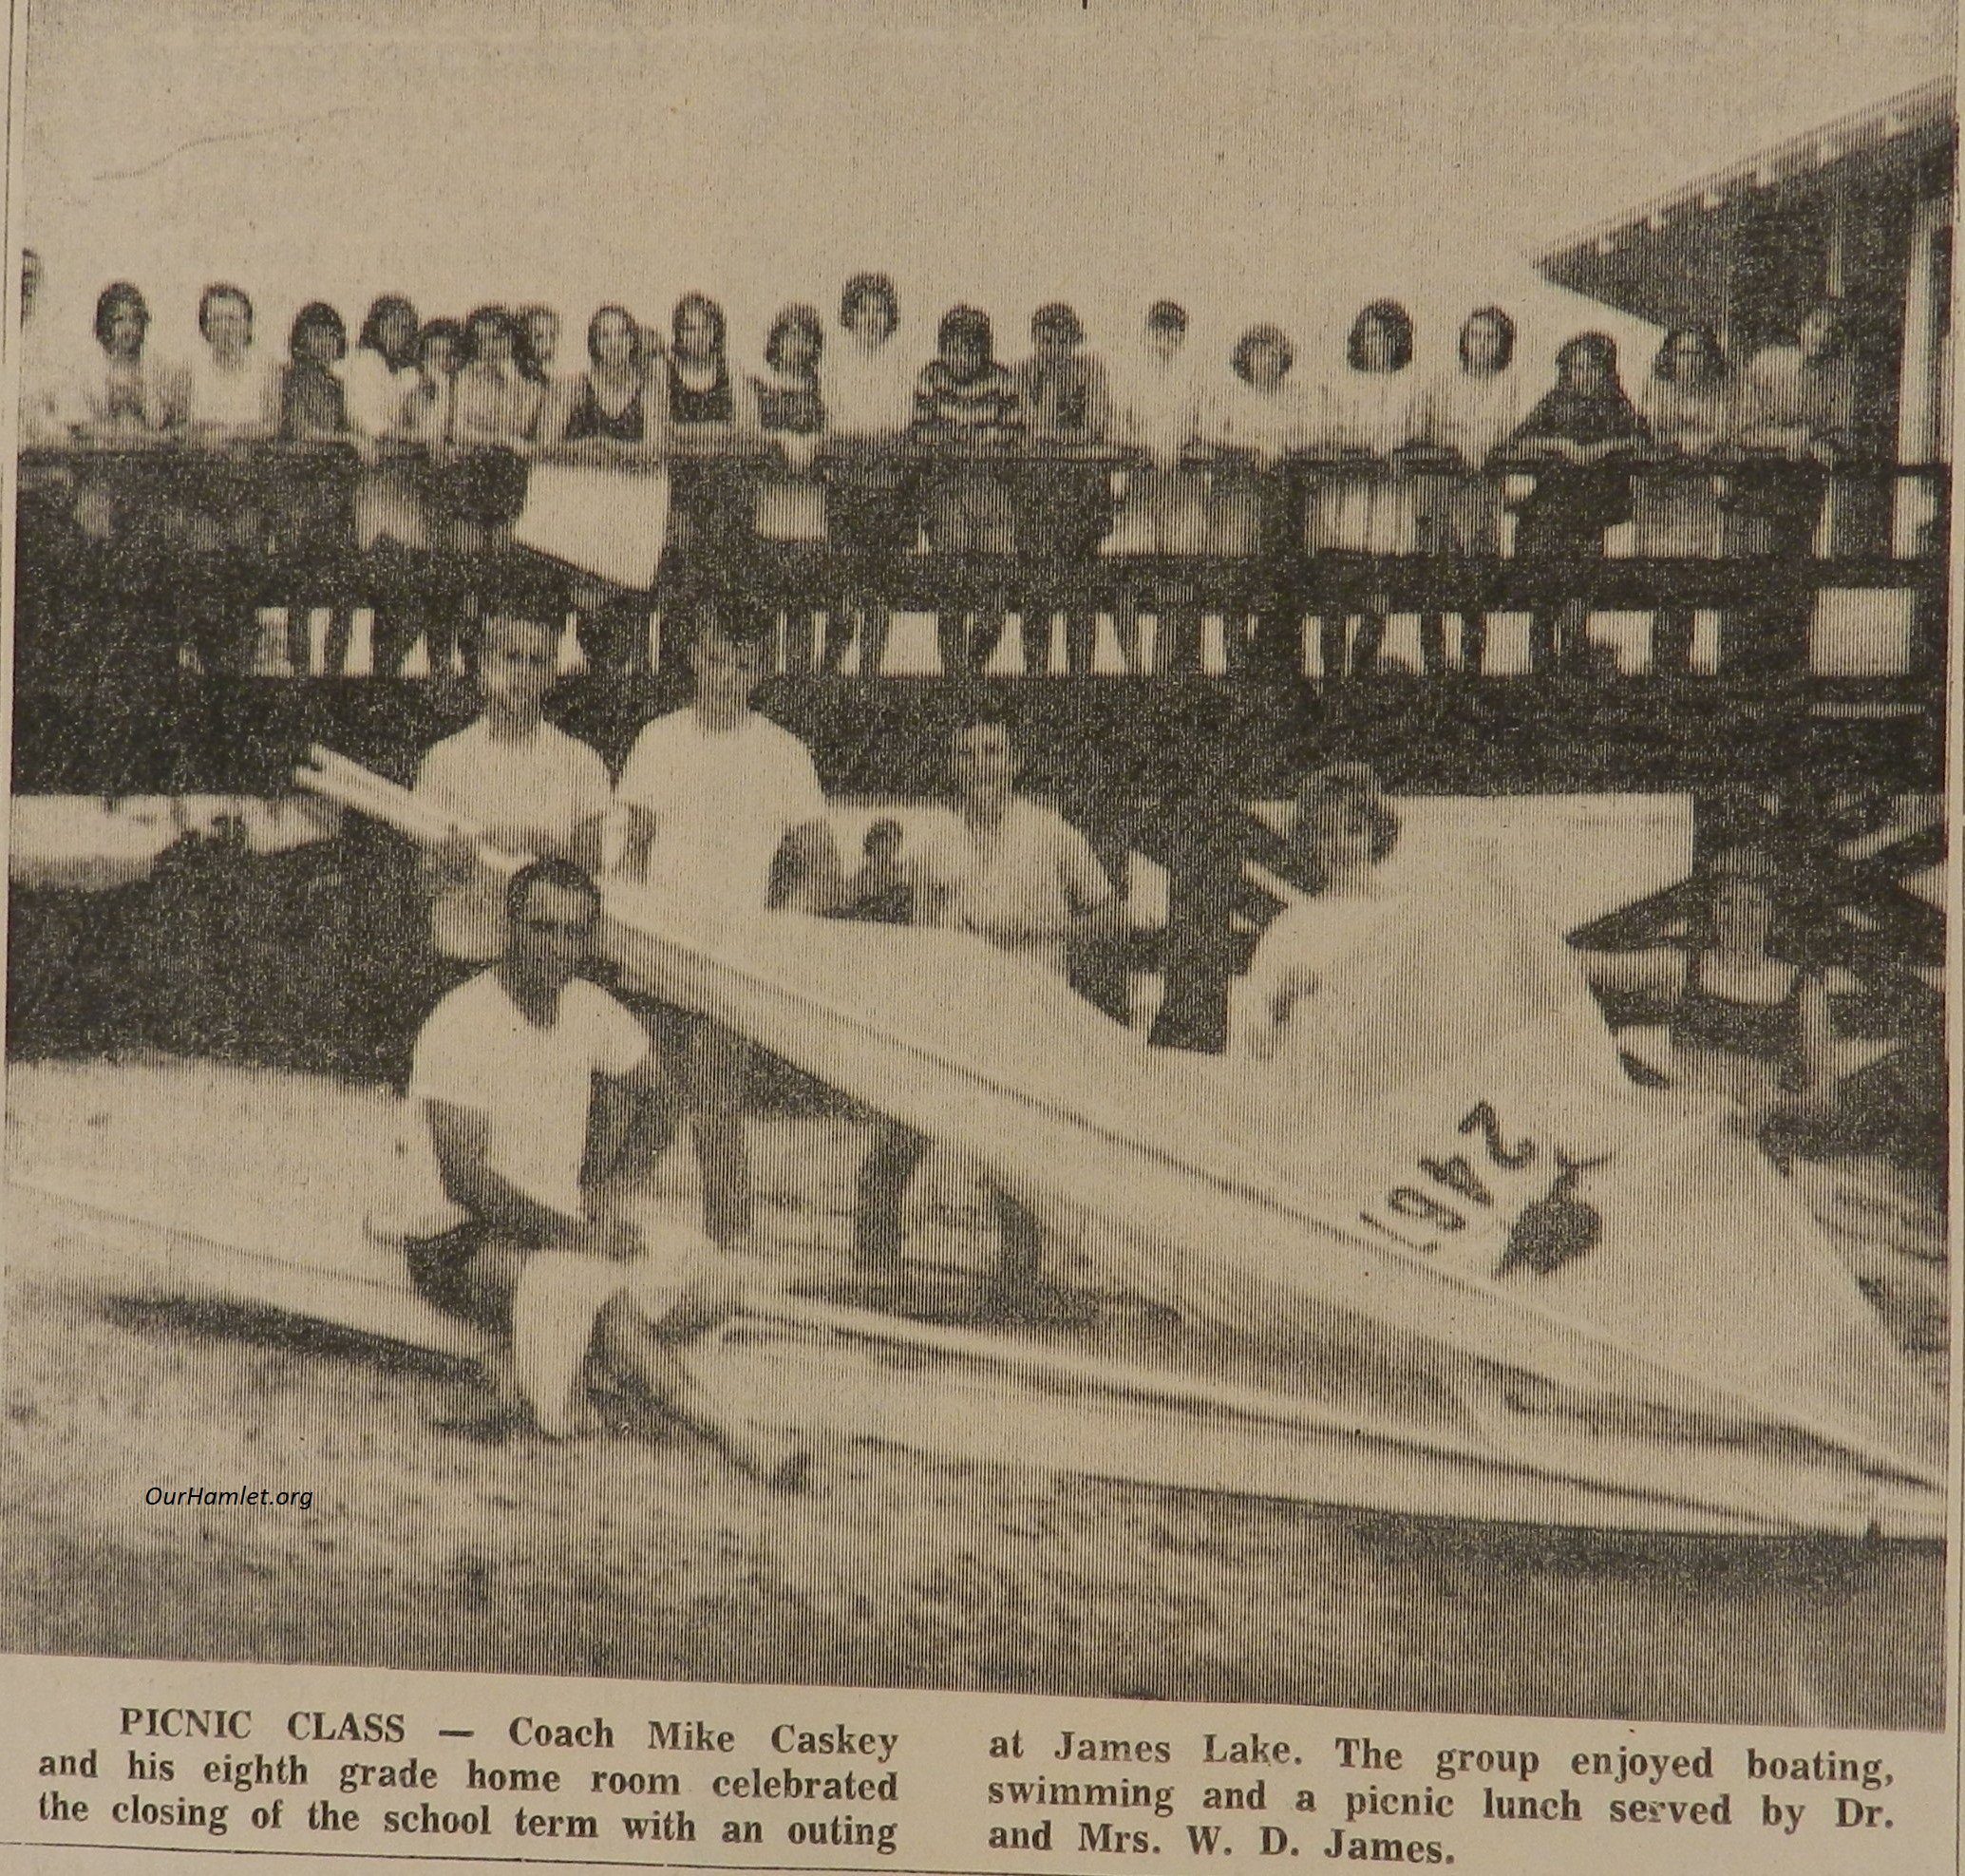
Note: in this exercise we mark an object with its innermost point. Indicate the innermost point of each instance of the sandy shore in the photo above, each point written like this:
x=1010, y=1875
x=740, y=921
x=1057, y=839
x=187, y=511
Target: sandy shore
x=617, y=1557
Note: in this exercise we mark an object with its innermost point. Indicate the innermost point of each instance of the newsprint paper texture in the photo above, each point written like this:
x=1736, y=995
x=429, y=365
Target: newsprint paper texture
x=997, y=937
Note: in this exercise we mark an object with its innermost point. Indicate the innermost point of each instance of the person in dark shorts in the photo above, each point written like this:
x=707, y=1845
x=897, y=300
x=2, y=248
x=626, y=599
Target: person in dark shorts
x=533, y=1099
x=1019, y=876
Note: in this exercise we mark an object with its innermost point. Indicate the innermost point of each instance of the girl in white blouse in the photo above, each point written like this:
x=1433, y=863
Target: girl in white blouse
x=1372, y=411
x=1472, y=410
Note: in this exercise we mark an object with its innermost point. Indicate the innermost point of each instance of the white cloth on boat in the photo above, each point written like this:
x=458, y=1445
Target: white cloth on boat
x=560, y=1294
x=608, y=520
x=1390, y=988
x=1644, y=1328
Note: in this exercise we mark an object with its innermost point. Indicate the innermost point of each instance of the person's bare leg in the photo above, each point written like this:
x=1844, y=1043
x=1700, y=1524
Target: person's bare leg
x=1125, y=628
x=642, y=1353
x=493, y=1275
x=717, y=1073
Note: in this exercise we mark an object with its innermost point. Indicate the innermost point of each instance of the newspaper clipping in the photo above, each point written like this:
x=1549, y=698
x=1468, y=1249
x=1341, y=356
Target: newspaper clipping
x=980, y=937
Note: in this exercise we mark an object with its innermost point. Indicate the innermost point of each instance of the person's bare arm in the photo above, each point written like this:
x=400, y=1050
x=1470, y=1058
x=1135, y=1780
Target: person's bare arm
x=1097, y=924
x=462, y=1139
x=584, y=845
x=634, y=1118
x=1658, y=973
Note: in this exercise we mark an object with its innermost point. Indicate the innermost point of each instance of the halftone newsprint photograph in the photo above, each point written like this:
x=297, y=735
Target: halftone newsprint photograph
x=979, y=937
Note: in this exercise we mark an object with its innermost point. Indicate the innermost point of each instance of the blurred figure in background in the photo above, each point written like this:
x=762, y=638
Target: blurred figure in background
x=1067, y=509
x=1575, y=432
x=784, y=402
x=539, y=349
x=1690, y=404
x=1473, y=410
x=1373, y=409
x=428, y=419
x=126, y=396
x=312, y=511
x=870, y=511
x=709, y=496
x=1798, y=402
x=1157, y=408
x=390, y=532
x=1257, y=418
x=611, y=414
x=229, y=395
x=963, y=399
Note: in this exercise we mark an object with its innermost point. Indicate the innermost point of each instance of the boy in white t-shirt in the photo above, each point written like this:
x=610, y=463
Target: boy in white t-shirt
x=711, y=793
x=532, y=1172
x=527, y=786
x=1018, y=873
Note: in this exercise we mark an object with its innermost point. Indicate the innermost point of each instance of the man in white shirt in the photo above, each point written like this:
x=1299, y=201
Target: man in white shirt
x=1019, y=875
x=529, y=1191
x=524, y=785
x=713, y=793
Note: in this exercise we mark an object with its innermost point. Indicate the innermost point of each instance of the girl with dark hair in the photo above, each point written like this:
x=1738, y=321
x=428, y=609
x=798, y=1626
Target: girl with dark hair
x=1371, y=412
x=538, y=344
x=784, y=402
x=1746, y=1021
x=1066, y=508
x=428, y=419
x=128, y=395
x=614, y=408
x=125, y=399
x=391, y=534
x=313, y=515
x=1575, y=433
x=313, y=405
x=1691, y=404
x=1261, y=409
x=1472, y=410
x=229, y=395
x=615, y=412
x=964, y=397
x=382, y=372
x=700, y=389
x=870, y=511
x=497, y=405
x=709, y=496
x=429, y=410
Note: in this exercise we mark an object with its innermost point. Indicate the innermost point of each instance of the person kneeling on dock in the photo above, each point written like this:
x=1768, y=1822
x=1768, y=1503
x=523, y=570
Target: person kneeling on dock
x=540, y=1093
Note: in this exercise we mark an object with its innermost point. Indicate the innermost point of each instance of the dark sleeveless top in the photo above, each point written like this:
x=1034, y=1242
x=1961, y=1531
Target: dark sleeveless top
x=797, y=409
x=589, y=417
x=700, y=406
x=1705, y=1019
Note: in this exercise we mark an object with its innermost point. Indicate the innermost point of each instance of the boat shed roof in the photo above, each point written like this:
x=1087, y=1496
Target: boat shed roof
x=1637, y=262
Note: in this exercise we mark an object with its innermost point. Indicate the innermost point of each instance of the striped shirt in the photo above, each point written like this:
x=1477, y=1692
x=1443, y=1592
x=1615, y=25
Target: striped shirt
x=986, y=401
